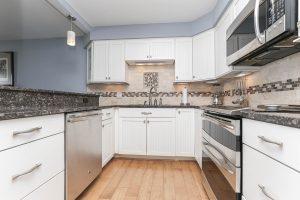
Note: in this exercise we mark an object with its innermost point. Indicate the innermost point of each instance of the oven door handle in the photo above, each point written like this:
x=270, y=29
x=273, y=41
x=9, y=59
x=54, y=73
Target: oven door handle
x=219, y=122
x=227, y=167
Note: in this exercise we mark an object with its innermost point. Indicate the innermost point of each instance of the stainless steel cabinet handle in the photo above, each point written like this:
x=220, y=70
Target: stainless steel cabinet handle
x=148, y=121
x=103, y=125
x=227, y=162
x=263, y=189
x=146, y=113
x=144, y=121
x=107, y=113
x=87, y=115
x=176, y=77
x=270, y=141
x=15, y=133
x=35, y=167
x=179, y=112
x=259, y=35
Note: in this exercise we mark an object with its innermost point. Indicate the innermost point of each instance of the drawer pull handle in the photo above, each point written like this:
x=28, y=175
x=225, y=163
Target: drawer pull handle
x=15, y=133
x=270, y=141
x=263, y=189
x=107, y=113
x=146, y=113
x=14, y=177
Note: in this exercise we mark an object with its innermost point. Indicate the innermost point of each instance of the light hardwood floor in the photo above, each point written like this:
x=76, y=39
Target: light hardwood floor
x=131, y=179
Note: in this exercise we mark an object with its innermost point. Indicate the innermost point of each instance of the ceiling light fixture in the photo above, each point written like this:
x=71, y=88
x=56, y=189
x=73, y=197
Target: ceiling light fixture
x=71, y=36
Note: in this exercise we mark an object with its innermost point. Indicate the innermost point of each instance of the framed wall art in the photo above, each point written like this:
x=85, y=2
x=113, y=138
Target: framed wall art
x=6, y=68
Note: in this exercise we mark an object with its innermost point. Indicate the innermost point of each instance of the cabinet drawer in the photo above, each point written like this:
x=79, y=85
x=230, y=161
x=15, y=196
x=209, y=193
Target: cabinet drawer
x=48, y=153
x=253, y=131
x=107, y=114
x=36, y=128
x=279, y=181
x=53, y=189
x=147, y=112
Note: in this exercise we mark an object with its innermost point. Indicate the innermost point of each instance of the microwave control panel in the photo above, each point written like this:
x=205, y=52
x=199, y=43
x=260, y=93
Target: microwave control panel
x=276, y=10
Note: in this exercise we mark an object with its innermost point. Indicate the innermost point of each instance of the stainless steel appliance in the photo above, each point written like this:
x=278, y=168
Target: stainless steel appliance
x=83, y=151
x=264, y=31
x=279, y=108
x=221, y=162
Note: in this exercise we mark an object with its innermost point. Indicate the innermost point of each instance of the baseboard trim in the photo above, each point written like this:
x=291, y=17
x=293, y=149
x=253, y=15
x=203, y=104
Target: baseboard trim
x=154, y=157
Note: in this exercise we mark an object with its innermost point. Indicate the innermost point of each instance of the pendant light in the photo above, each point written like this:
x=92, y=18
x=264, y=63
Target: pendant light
x=71, y=36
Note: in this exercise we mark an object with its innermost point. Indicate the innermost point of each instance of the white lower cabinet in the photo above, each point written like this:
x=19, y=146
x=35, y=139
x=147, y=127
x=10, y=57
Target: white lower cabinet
x=132, y=136
x=108, y=141
x=161, y=136
x=265, y=178
x=185, y=133
x=52, y=190
x=27, y=167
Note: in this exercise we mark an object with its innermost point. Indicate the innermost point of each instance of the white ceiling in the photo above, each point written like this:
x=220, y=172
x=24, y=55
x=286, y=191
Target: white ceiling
x=126, y=12
x=31, y=19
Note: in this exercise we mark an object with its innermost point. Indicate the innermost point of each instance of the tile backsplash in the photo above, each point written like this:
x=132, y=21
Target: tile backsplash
x=137, y=91
x=275, y=83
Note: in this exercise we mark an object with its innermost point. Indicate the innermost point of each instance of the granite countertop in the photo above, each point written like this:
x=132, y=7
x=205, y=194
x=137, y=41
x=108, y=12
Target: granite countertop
x=10, y=88
x=284, y=119
x=6, y=114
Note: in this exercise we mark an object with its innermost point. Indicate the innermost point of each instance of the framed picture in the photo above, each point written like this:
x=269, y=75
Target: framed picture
x=6, y=68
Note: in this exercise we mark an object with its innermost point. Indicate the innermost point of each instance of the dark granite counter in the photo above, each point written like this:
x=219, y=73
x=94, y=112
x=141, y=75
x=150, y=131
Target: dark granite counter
x=284, y=119
x=6, y=114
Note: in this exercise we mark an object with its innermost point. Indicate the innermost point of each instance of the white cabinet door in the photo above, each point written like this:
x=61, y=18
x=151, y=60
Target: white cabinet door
x=204, y=55
x=220, y=43
x=107, y=141
x=137, y=50
x=161, y=136
x=198, y=136
x=162, y=49
x=132, y=136
x=117, y=66
x=100, y=64
x=184, y=59
x=279, y=181
x=185, y=132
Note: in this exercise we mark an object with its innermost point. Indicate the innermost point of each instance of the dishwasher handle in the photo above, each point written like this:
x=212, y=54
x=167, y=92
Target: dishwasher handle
x=86, y=115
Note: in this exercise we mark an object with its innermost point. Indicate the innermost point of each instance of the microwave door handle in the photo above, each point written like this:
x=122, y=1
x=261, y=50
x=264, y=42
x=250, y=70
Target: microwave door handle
x=260, y=36
x=222, y=154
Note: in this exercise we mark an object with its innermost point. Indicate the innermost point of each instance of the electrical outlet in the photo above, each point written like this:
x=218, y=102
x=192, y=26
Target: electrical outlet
x=85, y=100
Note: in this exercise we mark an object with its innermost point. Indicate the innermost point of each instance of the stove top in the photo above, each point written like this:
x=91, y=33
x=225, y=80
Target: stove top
x=226, y=110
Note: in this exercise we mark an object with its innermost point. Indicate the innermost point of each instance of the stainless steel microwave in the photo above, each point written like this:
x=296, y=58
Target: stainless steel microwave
x=263, y=32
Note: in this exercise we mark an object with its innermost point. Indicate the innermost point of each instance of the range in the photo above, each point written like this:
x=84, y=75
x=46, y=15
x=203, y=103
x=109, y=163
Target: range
x=222, y=145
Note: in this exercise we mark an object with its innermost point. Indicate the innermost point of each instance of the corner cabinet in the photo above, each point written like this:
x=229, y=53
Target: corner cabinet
x=106, y=62
x=184, y=60
x=204, y=55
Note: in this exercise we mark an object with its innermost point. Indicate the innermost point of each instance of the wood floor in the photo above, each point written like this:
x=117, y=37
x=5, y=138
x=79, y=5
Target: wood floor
x=131, y=179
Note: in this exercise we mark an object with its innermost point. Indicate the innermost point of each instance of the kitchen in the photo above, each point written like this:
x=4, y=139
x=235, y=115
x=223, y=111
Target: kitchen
x=123, y=100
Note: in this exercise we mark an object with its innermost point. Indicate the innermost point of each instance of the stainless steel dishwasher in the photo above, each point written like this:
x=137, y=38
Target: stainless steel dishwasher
x=83, y=151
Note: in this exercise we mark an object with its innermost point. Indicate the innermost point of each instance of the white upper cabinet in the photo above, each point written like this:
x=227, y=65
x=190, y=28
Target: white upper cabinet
x=150, y=49
x=100, y=62
x=220, y=43
x=137, y=50
x=184, y=59
x=204, y=55
x=162, y=49
x=106, y=61
x=117, y=66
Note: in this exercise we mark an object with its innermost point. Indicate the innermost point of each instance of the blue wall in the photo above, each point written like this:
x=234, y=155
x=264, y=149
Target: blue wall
x=48, y=64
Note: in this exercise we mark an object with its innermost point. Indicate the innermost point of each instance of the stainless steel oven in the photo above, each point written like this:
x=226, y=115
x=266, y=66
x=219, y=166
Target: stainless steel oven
x=264, y=31
x=221, y=162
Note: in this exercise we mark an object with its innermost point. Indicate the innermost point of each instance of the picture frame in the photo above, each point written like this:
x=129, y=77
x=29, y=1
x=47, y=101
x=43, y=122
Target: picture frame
x=6, y=69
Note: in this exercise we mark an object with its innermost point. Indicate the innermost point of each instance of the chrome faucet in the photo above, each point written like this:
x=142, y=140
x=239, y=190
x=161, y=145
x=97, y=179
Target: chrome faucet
x=151, y=95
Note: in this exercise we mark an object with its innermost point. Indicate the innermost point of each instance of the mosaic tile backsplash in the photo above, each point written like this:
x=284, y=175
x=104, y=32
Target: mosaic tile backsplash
x=151, y=79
